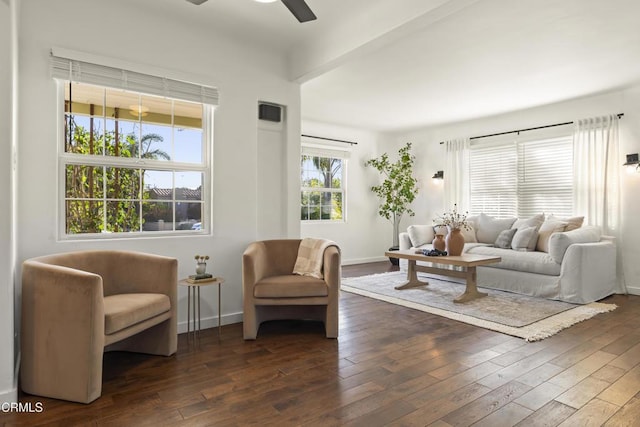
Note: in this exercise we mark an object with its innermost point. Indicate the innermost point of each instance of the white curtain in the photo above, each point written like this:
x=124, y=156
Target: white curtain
x=596, y=166
x=456, y=174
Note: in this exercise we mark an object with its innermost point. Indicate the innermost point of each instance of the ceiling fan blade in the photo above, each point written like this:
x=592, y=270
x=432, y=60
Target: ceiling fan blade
x=300, y=10
x=197, y=2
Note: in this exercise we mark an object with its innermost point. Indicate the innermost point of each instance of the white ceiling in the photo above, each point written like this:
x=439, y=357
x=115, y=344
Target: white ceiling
x=392, y=65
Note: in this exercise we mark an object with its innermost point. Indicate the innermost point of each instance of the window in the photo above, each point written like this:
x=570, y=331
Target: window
x=522, y=178
x=322, y=184
x=132, y=162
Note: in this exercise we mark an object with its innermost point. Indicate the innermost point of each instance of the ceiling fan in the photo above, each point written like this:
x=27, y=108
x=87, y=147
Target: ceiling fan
x=299, y=8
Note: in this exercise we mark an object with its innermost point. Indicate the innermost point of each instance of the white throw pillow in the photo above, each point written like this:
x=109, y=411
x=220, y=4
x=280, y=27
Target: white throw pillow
x=546, y=230
x=573, y=223
x=534, y=221
x=473, y=221
x=469, y=235
x=489, y=228
x=525, y=239
x=420, y=234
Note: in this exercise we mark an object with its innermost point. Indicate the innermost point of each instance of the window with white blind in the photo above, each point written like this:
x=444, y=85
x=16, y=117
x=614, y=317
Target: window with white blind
x=323, y=186
x=134, y=152
x=522, y=178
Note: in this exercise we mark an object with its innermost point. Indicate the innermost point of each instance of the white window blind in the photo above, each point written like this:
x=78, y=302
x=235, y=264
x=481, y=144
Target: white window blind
x=100, y=75
x=493, y=184
x=545, y=177
x=522, y=178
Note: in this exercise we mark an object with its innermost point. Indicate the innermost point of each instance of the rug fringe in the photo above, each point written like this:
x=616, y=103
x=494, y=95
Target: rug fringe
x=533, y=332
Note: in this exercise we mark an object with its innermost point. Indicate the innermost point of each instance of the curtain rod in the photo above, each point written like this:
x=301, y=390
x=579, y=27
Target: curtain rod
x=330, y=139
x=527, y=129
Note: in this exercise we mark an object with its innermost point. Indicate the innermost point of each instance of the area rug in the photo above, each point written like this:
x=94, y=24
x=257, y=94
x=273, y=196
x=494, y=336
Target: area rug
x=518, y=315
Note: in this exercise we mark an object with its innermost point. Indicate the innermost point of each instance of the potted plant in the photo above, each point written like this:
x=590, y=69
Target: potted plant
x=398, y=188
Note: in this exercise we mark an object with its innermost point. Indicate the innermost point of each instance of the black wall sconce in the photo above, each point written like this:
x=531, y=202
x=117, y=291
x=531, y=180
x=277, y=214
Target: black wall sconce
x=438, y=176
x=632, y=163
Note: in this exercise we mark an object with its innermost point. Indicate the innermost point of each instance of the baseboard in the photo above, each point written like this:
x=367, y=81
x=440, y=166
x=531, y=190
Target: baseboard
x=9, y=396
x=633, y=290
x=364, y=260
x=212, y=322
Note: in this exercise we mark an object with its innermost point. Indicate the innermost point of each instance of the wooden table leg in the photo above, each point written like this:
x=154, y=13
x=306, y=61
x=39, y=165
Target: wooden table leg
x=412, y=278
x=471, y=292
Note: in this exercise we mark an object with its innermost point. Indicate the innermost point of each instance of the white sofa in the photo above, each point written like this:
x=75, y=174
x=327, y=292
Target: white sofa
x=579, y=267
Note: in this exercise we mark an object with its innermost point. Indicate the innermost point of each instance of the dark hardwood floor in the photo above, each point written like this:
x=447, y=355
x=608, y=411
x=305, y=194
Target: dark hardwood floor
x=390, y=366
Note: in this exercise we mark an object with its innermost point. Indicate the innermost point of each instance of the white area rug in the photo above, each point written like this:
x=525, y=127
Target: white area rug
x=521, y=316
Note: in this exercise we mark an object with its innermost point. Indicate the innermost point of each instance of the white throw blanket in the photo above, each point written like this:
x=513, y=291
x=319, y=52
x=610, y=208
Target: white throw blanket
x=310, y=257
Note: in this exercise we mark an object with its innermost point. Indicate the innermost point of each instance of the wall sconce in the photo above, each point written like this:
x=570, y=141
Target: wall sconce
x=438, y=177
x=138, y=110
x=632, y=164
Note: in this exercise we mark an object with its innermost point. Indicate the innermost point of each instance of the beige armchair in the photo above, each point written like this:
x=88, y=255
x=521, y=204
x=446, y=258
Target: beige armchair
x=77, y=305
x=271, y=291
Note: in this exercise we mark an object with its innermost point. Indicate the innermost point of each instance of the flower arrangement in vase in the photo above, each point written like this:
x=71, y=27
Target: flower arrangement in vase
x=454, y=221
x=201, y=263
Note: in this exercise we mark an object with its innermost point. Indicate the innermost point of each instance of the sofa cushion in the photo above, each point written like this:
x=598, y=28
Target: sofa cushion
x=531, y=262
x=573, y=223
x=473, y=221
x=559, y=242
x=469, y=234
x=546, y=230
x=420, y=234
x=124, y=310
x=504, y=238
x=489, y=227
x=534, y=221
x=525, y=239
x=290, y=286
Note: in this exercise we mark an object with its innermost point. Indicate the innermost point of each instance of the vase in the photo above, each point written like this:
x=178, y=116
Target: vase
x=454, y=242
x=201, y=267
x=439, y=243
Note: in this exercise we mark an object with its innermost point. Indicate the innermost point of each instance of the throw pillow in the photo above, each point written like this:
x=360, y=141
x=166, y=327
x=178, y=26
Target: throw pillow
x=469, y=235
x=420, y=234
x=489, y=227
x=525, y=239
x=546, y=230
x=534, y=221
x=573, y=223
x=504, y=238
x=473, y=221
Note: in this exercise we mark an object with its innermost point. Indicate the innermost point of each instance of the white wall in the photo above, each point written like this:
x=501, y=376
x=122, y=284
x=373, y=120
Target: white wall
x=152, y=42
x=625, y=101
x=7, y=381
x=364, y=236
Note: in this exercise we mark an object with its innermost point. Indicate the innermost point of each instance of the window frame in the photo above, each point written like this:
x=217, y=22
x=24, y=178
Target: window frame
x=65, y=159
x=329, y=152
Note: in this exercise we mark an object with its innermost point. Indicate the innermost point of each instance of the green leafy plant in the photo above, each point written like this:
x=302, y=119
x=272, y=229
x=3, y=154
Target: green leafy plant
x=398, y=188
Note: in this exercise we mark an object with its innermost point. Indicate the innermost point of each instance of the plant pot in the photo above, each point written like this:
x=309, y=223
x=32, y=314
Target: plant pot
x=394, y=261
x=439, y=243
x=454, y=242
x=201, y=268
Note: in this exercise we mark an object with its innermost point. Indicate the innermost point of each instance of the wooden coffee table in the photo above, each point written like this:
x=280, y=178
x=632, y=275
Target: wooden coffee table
x=468, y=263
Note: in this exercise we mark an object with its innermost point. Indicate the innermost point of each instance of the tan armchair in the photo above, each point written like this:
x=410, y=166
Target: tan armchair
x=271, y=291
x=77, y=305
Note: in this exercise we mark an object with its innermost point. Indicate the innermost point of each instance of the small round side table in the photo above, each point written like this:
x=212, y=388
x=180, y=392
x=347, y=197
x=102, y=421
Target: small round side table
x=194, y=314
